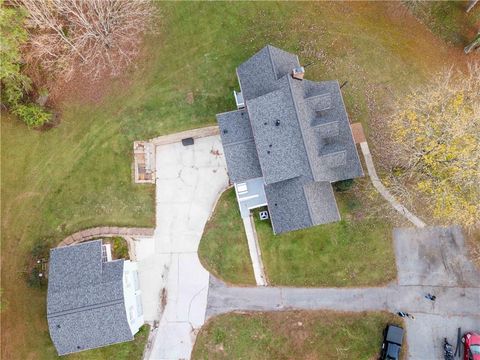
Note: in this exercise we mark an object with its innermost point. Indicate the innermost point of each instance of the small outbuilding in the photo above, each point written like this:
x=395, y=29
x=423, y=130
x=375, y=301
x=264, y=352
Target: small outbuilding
x=92, y=300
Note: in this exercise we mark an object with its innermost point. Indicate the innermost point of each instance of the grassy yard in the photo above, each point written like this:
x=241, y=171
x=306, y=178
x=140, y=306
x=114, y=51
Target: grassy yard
x=357, y=251
x=223, y=249
x=129, y=350
x=293, y=335
x=78, y=174
x=448, y=19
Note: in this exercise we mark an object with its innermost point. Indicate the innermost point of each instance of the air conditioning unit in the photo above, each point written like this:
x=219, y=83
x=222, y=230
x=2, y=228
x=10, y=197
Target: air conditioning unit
x=239, y=99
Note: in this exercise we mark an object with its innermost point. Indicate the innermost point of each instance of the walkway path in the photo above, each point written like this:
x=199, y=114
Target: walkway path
x=254, y=250
x=173, y=282
x=383, y=190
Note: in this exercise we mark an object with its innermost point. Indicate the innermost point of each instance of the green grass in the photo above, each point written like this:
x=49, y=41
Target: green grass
x=293, y=335
x=129, y=350
x=223, y=249
x=78, y=174
x=356, y=251
x=447, y=19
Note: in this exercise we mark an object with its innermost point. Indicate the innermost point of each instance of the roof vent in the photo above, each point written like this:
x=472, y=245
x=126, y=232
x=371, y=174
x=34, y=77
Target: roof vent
x=277, y=122
x=298, y=73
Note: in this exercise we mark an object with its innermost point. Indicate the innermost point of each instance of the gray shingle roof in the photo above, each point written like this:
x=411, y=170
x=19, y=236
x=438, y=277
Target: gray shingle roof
x=321, y=202
x=258, y=74
x=277, y=135
x=85, y=302
x=238, y=145
x=302, y=139
x=288, y=206
x=326, y=130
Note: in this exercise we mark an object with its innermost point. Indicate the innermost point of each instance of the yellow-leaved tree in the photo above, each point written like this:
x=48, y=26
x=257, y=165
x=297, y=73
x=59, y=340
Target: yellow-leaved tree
x=437, y=132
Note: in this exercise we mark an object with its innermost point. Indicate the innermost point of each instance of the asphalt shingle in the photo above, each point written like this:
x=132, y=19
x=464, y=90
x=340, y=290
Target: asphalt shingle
x=238, y=145
x=85, y=301
x=298, y=139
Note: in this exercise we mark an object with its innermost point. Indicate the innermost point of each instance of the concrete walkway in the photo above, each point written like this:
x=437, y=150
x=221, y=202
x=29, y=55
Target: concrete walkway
x=383, y=190
x=173, y=282
x=254, y=250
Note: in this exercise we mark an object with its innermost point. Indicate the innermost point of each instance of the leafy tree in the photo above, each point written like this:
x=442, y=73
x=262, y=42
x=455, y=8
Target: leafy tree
x=14, y=83
x=32, y=114
x=437, y=130
x=13, y=36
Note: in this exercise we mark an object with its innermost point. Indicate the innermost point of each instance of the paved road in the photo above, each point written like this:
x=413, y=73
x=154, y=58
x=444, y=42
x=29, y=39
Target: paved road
x=189, y=181
x=430, y=260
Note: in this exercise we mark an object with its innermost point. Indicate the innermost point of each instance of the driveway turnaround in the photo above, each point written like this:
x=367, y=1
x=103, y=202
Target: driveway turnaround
x=421, y=254
x=174, y=284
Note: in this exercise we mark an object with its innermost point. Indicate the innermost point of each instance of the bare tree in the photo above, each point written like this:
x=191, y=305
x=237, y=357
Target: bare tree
x=92, y=36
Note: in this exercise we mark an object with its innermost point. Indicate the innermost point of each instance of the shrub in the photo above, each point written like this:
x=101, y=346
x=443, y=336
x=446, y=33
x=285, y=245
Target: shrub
x=119, y=248
x=32, y=114
x=343, y=185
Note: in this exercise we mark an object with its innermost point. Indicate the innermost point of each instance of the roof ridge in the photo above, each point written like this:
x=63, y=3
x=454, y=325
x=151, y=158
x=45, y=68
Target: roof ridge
x=300, y=126
x=310, y=211
x=271, y=61
x=85, y=308
x=240, y=142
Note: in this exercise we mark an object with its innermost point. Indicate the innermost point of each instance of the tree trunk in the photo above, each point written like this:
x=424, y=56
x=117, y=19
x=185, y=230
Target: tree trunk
x=471, y=4
x=475, y=44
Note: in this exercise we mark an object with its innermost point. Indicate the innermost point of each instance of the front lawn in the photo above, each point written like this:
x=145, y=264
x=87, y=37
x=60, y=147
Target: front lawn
x=223, y=249
x=289, y=335
x=356, y=251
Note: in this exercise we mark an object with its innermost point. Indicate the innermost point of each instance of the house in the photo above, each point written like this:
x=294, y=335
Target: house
x=287, y=142
x=92, y=300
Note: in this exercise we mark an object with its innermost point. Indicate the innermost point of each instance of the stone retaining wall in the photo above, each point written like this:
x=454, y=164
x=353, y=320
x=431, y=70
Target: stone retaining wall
x=194, y=133
x=106, y=231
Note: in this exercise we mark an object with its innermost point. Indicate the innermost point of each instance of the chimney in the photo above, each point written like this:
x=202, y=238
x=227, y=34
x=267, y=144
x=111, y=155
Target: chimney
x=298, y=73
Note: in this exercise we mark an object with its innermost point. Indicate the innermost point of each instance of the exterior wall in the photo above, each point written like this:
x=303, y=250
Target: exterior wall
x=250, y=195
x=132, y=296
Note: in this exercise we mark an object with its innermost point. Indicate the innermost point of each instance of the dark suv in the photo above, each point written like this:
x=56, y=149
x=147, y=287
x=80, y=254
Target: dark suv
x=392, y=343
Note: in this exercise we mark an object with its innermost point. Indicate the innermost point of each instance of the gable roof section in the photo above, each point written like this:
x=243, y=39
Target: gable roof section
x=321, y=202
x=85, y=302
x=239, y=146
x=258, y=74
x=277, y=134
x=287, y=205
x=326, y=131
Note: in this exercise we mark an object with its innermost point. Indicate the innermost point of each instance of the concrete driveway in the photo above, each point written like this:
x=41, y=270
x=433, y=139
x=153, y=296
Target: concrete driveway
x=435, y=258
x=174, y=284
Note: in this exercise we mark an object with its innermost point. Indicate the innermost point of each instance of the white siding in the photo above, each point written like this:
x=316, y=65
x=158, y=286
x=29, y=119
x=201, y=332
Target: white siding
x=132, y=295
